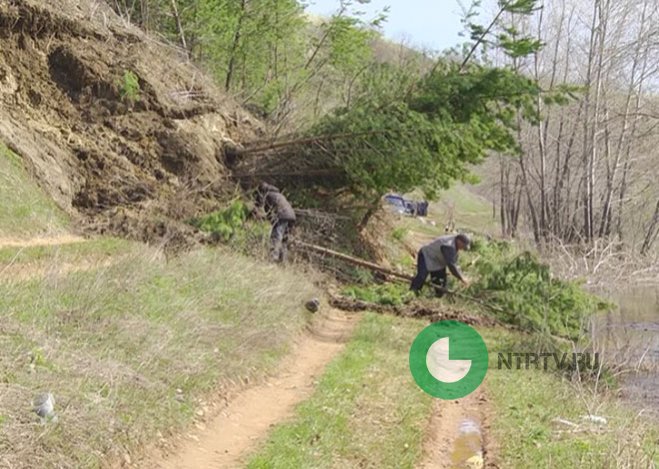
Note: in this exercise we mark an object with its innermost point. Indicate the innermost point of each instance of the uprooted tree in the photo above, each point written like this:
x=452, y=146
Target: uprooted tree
x=418, y=132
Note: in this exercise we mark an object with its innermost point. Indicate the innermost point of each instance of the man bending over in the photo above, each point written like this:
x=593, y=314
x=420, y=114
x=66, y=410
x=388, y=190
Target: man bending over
x=435, y=258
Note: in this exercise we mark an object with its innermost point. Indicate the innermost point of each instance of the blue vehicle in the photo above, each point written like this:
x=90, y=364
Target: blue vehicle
x=397, y=201
x=406, y=206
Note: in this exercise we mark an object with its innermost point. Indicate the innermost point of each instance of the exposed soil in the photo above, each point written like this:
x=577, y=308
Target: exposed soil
x=246, y=418
x=134, y=167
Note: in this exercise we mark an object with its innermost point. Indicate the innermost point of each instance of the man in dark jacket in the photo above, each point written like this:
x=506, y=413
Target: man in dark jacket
x=281, y=215
x=435, y=258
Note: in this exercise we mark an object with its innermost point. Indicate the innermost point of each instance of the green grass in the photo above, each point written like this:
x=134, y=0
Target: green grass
x=526, y=403
x=470, y=212
x=114, y=342
x=366, y=410
x=25, y=209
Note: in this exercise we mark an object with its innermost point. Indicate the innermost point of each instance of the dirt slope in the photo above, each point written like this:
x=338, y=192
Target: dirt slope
x=131, y=168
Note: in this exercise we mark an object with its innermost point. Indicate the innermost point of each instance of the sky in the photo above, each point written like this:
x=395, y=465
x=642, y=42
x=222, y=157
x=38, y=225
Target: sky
x=433, y=24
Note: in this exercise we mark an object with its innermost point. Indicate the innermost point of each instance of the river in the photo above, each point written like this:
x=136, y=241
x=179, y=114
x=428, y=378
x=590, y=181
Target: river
x=629, y=335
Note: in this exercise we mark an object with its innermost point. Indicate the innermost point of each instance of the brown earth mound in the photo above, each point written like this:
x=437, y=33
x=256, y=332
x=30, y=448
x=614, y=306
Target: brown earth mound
x=136, y=168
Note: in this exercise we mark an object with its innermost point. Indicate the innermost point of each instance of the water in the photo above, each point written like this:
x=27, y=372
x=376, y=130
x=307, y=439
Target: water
x=468, y=446
x=629, y=336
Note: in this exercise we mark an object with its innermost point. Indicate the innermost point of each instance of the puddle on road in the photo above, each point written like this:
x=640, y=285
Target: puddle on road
x=468, y=446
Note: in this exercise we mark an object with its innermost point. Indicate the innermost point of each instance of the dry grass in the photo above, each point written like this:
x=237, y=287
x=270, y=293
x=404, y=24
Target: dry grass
x=131, y=348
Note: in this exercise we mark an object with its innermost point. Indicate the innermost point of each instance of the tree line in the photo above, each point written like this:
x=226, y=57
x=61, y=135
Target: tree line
x=587, y=169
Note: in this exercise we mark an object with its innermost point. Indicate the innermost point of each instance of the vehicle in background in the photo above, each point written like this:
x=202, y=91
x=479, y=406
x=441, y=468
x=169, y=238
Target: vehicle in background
x=407, y=206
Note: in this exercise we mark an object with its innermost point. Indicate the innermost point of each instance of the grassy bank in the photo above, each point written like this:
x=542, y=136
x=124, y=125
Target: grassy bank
x=366, y=410
x=96, y=248
x=131, y=348
x=541, y=419
x=25, y=209
x=537, y=415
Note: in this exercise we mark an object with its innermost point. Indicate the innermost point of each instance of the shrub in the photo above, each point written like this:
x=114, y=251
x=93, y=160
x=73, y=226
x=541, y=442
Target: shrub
x=224, y=224
x=231, y=226
x=129, y=87
x=524, y=291
x=399, y=233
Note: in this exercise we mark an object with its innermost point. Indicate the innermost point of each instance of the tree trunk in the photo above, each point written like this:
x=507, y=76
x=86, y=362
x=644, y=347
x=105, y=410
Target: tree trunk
x=235, y=44
x=652, y=232
x=179, y=27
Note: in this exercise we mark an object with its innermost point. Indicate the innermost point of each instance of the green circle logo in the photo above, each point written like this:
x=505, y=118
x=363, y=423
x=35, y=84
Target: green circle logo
x=448, y=359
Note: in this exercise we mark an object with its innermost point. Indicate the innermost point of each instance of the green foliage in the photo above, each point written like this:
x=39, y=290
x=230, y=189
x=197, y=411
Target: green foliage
x=129, y=88
x=399, y=233
x=390, y=294
x=268, y=51
x=500, y=35
x=429, y=137
x=231, y=226
x=224, y=224
x=362, y=276
x=349, y=43
x=529, y=297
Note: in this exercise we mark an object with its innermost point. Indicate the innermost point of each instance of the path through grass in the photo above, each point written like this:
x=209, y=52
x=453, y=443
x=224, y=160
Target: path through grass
x=366, y=411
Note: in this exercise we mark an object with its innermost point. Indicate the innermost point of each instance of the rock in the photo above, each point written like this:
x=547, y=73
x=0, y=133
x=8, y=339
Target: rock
x=313, y=305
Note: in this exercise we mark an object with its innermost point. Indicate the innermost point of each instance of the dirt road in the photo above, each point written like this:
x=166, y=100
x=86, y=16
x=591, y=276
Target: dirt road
x=457, y=435
x=226, y=440
x=39, y=241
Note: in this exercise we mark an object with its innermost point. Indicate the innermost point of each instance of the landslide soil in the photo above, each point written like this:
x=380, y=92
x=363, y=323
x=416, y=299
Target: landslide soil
x=136, y=168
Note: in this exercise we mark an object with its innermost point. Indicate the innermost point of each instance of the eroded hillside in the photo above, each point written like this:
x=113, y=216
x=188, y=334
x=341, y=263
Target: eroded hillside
x=135, y=166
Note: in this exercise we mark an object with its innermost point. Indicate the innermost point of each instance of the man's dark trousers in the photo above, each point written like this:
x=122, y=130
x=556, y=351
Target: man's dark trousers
x=437, y=277
x=279, y=239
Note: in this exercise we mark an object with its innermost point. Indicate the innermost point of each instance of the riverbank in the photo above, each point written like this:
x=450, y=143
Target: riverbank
x=552, y=418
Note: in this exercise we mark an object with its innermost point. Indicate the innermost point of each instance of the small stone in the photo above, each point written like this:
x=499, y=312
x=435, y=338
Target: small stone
x=313, y=305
